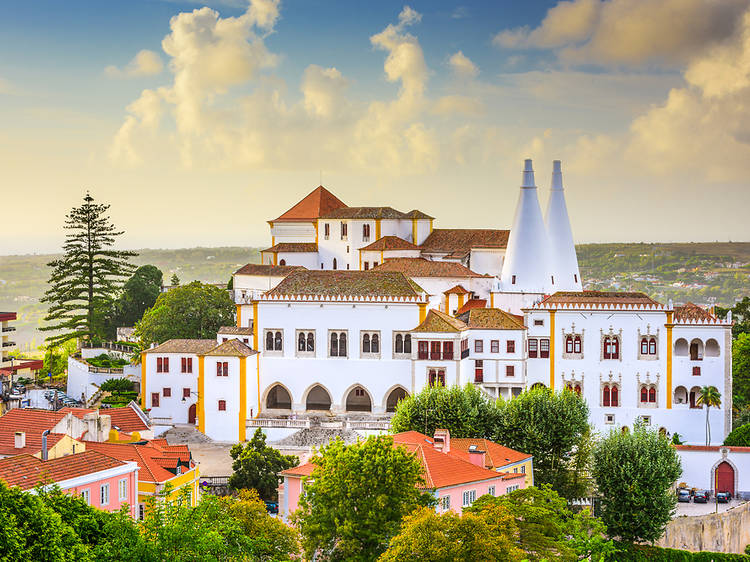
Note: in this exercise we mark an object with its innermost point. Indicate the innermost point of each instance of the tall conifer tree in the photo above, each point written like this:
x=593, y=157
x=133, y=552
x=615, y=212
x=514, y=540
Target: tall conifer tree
x=84, y=281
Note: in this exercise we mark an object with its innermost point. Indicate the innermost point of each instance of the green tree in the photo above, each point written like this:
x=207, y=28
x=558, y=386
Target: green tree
x=56, y=358
x=739, y=436
x=709, y=397
x=84, y=281
x=139, y=293
x=189, y=311
x=634, y=473
x=741, y=371
x=448, y=537
x=174, y=280
x=464, y=411
x=356, y=498
x=256, y=466
x=740, y=316
x=554, y=428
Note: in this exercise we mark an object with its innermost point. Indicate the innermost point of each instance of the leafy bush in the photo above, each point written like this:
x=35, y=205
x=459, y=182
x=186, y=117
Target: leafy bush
x=639, y=553
x=120, y=399
x=118, y=385
x=739, y=437
x=104, y=361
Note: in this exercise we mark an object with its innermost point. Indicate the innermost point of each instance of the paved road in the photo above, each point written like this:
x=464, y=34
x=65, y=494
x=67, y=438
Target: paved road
x=704, y=508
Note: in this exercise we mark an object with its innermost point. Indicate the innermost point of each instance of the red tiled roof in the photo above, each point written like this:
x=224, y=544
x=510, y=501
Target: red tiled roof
x=7, y=316
x=437, y=322
x=232, y=347
x=692, y=312
x=491, y=319
x=34, y=365
x=31, y=421
x=470, y=304
x=496, y=455
x=236, y=330
x=152, y=470
x=457, y=290
x=198, y=347
x=371, y=283
x=293, y=247
x=420, y=267
x=364, y=213
x=599, y=298
x=315, y=204
x=267, y=270
x=26, y=471
x=389, y=243
x=462, y=240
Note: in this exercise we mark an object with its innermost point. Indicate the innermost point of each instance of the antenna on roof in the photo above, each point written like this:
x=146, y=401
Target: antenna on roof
x=321, y=177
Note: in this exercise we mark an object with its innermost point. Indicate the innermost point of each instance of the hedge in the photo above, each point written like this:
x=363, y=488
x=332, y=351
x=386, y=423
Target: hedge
x=638, y=553
x=739, y=437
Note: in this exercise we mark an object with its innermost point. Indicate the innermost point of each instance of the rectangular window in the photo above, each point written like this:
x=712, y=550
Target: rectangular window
x=326, y=230
x=523, y=469
x=513, y=488
x=543, y=348
x=538, y=322
x=222, y=368
x=478, y=346
x=159, y=365
x=141, y=511
x=448, y=350
x=494, y=346
x=344, y=231
x=186, y=393
x=367, y=265
x=104, y=494
x=510, y=371
x=369, y=343
x=533, y=348
x=436, y=377
x=274, y=341
x=374, y=264
x=222, y=405
x=435, y=350
x=478, y=370
x=445, y=503
x=166, y=364
x=337, y=344
x=513, y=280
x=469, y=497
x=187, y=364
x=122, y=488
x=510, y=346
x=166, y=392
x=696, y=371
x=491, y=490
x=422, y=350
x=154, y=399
x=401, y=343
x=86, y=495
x=245, y=341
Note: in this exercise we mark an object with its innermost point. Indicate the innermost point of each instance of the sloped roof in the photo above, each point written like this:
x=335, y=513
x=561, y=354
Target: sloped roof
x=232, y=347
x=415, y=214
x=27, y=471
x=462, y=240
x=347, y=283
x=470, y=304
x=437, y=322
x=315, y=204
x=33, y=423
x=236, y=330
x=692, y=312
x=145, y=455
x=364, y=213
x=390, y=243
x=199, y=347
x=497, y=456
x=599, y=297
x=421, y=267
x=267, y=270
x=491, y=319
x=456, y=290
x=293, y=248
x=125, y=418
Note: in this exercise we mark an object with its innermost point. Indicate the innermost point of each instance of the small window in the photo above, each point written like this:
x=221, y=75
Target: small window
x=374, y=264
x=510, y=370
x=335, y=264
x=577, y=344
x=544, y=348
x=533, y=348
x=154, y=399
x=423, y=350
x=445, y=503
x=141, y=512
x=222, y=368
x=402, y=344
x=370, y=343
x=469, y=497
x=344, y=231
x=609, y=418
x=166, y=392
x=104, y=494
x=652, y=346
x=246, y=341
x=646, y=420
x=605, y=395
x=615, y=396
x=539, y=322
x=162, y=364
x=510, y=346
x=365, y=232
x=478, y=370
x=326, y=231
x=494, y=346
x=478, y=346
x=222, y=405
x=448, y=350
x=575, y=277
x=513, y=280
x=367, y=265
x=337, y=344
x=122, y=488
x=568, y=344
x=86, y=495
x=305, y=343
x=186, y=393
x=436, y=377
x=523, y=469
x=274, y=340
x=491, y=490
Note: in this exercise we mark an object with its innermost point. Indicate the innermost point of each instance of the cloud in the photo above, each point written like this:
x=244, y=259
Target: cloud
x=323, y=90
x=145, y=63
x=666, y=33
x=462, y=65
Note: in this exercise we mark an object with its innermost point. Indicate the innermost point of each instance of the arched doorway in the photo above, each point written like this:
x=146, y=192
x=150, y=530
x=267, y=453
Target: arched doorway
x=725, y=478
x=696, y=350
x=695, y=393
x=318, y=399
x=395, y=396
x=358, y=400
x=680, y=395
x=278, y=398
x=191, y=414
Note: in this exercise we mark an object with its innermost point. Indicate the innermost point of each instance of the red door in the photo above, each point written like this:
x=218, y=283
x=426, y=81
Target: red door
x=191, y=414
x=725, y=477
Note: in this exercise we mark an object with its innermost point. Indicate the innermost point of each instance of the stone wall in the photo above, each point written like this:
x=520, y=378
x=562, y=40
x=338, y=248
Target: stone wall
x=716, y=532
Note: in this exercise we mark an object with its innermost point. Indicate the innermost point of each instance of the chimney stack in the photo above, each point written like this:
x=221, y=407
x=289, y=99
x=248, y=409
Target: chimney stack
x=442, y=440
x=20, y=440
x=45, y=453
x=476, y=456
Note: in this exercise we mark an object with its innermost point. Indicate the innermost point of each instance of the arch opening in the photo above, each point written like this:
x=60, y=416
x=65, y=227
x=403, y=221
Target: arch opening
x=394, y=397
x=712, y=348
x=680, y=395
x=696, y=350
x=278, y=398
x=318, y=399
x=358, y=400
x=681, y=347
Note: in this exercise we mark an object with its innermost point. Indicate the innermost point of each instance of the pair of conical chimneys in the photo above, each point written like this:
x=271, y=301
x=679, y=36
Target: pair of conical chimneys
x=541, y=256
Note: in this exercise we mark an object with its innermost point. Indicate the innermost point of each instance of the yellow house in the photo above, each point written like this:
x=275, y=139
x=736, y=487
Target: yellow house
x=22, y=431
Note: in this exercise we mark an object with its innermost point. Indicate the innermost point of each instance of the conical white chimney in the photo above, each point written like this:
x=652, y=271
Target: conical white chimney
x=563, y=258
x=526, y=266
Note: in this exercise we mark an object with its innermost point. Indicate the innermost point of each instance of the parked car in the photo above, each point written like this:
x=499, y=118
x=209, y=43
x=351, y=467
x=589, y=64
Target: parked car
x=701, y=496
x=272, y=507
x=723, y=497
x=683, y=495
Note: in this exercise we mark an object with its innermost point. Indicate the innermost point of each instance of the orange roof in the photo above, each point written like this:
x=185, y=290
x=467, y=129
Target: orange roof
x=491, y=319
x=497, y=456
x=472, y=303
x=124, y=419
x=690, y=311
x=147, y=456
x=267, y=270
x=596, y=298
x=459, y=241
x=293, y=247
x=456, y=290
x=26, y=471
x=437, y=322
x=232, y=347
x=316, y=203
x=33, y=422
x=421, y=267
x=390, y=243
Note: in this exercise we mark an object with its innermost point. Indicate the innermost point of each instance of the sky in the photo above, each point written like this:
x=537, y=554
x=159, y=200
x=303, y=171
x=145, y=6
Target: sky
x=200, y=121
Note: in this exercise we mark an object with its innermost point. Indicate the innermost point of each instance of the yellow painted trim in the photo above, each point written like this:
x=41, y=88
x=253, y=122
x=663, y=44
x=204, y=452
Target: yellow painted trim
x=315, y=224
x=377, y=229
x=257, y=355
x=143, y=380
x=492, y=300
x=360, y=259
x=431, y=226
x=257, y=375
x=239, y=316
x=381, y=256
x=275, y=258
x=273, y=241
x=243, y=397
x=669, y=360
x=422, y=312
x=414, y=231
x=552, y=349
x=201, y=389
x=461, y=299
x=447, y=303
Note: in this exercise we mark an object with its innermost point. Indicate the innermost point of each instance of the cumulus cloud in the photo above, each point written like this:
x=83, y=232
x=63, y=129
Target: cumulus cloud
x=629, y=32
x=323, y=90
x=145, y=63
x=462, y=65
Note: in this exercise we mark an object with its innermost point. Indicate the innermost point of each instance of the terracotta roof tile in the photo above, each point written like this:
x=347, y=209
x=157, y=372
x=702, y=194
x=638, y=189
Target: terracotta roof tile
x=293, y=247
x=599, y=298
x=347, y=283
x=197, y=347
x=421, y=267
x=714, y=448
x=26, y=471
x=415, y=214
x=364, y=213
x=236, y=330
x=456, y=290
x=124, y=419
x=232, y=347
x=145, y=455
x=33, y=423
x=462, y=240
x=497, y=456
x=389, y=243
x=470, y=304
x=267, y=270
x=692, y=312
x=316, y=203
x=491, y=319
x=437, y=322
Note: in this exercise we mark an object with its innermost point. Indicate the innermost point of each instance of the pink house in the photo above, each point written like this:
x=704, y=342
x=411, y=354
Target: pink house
x=104, y=482
x=456, y=478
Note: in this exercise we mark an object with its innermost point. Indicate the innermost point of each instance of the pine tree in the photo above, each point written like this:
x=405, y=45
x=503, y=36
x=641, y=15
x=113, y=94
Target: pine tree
x=175, y=281
x=84, y=281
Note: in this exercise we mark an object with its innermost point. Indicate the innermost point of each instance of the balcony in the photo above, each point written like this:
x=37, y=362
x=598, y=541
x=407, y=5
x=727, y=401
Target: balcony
x=7, y=329
x=435, y=355
x=9, y=344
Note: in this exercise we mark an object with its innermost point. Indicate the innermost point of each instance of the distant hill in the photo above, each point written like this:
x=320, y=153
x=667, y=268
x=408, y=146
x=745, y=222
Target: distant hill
x=705, y=273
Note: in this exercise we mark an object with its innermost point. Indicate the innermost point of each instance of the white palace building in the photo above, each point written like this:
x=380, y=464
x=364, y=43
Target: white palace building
x=354, y=308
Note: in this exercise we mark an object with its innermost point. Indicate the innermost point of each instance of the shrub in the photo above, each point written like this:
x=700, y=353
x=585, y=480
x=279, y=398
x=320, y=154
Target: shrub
x=639, y=553
x=739, y=437
x=118, y=385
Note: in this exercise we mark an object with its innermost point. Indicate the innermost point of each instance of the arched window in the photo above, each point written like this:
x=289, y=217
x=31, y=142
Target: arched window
x=615, y=396
x=282, y=262
x=269, y=341
x=569, y=344
x=652, y=394
x=615, y=347
x=301, y=342
x=375, y=346
x=652, y=346
x=334, y=344
x=277, y=341
x=310, y=341
x=606, y=396
x=607, y=348
x=399, y=343
x=577, y=344
x=644, y=394
x=365, y=231
x=407, y=343
x=366, y=343
x=334, y=263
x=644, y=346
x=342, y=344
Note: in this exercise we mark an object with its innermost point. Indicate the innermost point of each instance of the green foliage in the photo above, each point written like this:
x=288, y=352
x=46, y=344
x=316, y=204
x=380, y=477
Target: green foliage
x=740, y=316
x=174, y=280
x=709, y=397
x=56, y=358
x=84, y=280
x=645, y=553
x=448, y=537
x=194, y=310
x=634, y=474
x=120, y=399
x=356, y=498
x=465, y=412
x=546, y=527
x=739, y=437
x=104, y=361
x=230, y=284
x=118, y=385
x=256, y=466
x=676, y=440
x=741, y=417
x=741, y=372
x=139, y=293
x=554, y=428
